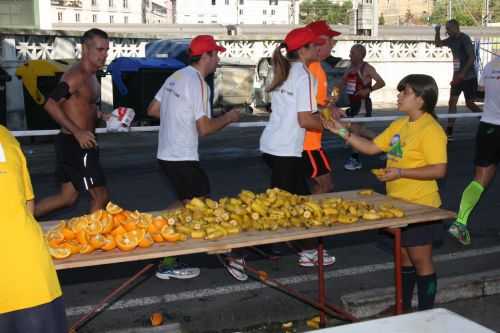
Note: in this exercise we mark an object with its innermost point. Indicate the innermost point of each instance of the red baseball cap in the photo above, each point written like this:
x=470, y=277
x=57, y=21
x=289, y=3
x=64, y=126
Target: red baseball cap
x=322, y=28
x=299, y=37
x=204, y=43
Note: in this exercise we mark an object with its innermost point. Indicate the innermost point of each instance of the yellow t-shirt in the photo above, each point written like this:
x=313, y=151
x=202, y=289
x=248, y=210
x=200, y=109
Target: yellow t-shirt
x=312, y=139
x=413, y=145
x=28, y=276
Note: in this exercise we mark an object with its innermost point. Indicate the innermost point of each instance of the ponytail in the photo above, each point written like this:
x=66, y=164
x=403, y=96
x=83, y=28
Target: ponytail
x=281, y=68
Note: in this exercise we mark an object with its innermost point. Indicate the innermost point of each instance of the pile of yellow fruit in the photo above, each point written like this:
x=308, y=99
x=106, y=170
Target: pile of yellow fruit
x=205, y=219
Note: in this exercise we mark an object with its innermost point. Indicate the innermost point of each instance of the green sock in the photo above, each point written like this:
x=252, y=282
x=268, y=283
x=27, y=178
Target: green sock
x=470, y=198
x=168, y=261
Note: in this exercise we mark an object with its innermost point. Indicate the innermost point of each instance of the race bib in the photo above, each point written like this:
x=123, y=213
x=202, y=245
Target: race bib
x=350, y=87
x=456, y=64
x=2, y=155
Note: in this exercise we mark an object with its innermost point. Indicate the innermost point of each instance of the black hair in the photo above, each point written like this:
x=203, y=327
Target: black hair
x=191, y=59
x=94, y=32
x=423, y=86
x=454, y=23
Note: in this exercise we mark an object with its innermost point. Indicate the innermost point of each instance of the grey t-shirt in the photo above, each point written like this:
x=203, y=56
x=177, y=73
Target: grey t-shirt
x=460, y=46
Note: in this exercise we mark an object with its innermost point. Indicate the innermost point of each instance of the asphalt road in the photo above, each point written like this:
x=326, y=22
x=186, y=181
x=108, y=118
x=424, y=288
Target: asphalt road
x=215, y=301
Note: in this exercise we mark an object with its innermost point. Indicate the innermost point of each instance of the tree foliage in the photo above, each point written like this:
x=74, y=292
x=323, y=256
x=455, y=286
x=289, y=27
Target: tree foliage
x=312, y=10
x=466, y=12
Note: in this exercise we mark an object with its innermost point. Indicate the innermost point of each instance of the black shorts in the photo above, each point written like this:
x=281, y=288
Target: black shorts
x=187, y=177
x=422, y=234
x=355, y=107
x=287, y=173
x=49, y=317
x=316, y=163
x=468, y=87
x=487, y=145
x=79, y=166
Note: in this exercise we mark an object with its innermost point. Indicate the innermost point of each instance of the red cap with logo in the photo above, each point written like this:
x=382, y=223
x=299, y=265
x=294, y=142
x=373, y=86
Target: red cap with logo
x=204, y=43
x=300, y=37
x=322, y=28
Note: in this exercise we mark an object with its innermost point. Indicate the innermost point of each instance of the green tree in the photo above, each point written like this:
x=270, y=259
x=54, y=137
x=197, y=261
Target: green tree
x=466, y=12
x=381, y=19
x=312, y=10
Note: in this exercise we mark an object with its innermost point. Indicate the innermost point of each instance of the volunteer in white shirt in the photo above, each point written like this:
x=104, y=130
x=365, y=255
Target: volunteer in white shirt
x=293, y=104
x=487, y=150
x=183, y=106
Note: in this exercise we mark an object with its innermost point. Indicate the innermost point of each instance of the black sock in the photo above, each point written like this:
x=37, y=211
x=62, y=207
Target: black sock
x=409, y=276
x=427, y=288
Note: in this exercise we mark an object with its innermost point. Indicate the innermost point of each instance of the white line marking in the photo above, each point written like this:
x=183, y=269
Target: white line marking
x=291, y=280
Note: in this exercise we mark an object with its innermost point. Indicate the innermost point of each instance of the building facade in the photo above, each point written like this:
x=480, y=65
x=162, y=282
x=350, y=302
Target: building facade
x=230, y=12
x=405, y=11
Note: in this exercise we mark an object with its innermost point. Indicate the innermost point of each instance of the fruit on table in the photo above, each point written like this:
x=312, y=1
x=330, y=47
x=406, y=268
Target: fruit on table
x=366, y=191
x=156, y=319
x=207, y=219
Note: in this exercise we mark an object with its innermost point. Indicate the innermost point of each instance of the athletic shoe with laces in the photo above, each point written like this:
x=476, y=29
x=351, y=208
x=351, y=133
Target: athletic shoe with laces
x=236, y=269
x=460, y=232
x=309, y=258
x=352, y=164
x=177, y=271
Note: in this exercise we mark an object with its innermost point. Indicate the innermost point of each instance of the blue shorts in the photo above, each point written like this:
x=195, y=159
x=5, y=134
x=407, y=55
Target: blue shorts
x=45, y=318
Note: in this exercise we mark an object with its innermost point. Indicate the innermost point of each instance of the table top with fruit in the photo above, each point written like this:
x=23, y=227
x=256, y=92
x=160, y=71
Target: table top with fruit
x=207, y=226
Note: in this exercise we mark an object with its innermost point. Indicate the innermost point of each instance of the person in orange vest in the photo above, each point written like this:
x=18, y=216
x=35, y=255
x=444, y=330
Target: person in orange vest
x=317, y=164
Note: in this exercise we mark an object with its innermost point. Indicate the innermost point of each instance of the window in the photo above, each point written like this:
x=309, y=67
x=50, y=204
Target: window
x=125, y=19
x=94, y=18
x=264, y=12
x=125, y=3
x=264, y=22
x=273, y=2
x=273, y=12
x=59, y=16
x=214, y=2
x=111, y=19
x=77, y=17
x=242, y=2
x=94, y=3
x=111, y=4
x=241, y=11
x=227, y=2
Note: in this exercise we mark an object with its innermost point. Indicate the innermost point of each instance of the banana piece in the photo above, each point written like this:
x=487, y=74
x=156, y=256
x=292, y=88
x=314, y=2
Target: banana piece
x=366, y=192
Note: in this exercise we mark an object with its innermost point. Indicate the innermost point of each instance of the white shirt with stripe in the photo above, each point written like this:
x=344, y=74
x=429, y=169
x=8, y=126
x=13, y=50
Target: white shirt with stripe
x=184, y=98
x=490, y=80
x=283, y=135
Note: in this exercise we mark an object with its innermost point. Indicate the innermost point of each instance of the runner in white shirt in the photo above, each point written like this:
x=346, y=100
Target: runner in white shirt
x=183, y=107
x=487, y=150
x=293, y=102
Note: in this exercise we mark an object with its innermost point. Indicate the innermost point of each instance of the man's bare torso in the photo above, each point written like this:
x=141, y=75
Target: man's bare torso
x=81, y=107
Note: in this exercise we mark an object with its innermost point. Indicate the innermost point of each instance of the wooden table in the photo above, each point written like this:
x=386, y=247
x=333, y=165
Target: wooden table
x=413, y=214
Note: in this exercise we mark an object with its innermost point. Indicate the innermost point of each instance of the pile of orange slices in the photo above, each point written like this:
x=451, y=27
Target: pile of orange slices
x=108, y=229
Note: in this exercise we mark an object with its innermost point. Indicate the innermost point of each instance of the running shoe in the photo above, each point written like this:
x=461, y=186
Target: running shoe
x=460, y=232
x=352, y=164
x=309, y=258
x=177, y=271
x=236, y=268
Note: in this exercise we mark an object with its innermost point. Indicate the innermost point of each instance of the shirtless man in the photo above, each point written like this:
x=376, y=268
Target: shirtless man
x=73, y=105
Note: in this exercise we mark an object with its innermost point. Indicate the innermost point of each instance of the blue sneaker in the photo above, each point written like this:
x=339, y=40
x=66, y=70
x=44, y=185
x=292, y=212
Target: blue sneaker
x=177, y=271
x=352, y=164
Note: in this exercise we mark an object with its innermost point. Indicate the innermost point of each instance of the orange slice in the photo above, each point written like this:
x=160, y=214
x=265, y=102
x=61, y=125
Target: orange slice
x=59, y=252
x=109, y=243
x=157, y=237
x=146, y=241
x=97, y=241
x=55, y=237
x=126, y=242
x=113, y=209
x=169, y=234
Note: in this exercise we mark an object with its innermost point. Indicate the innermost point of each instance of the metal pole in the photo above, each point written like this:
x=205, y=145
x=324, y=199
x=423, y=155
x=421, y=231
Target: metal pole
x=375, y=18
x=449, y=9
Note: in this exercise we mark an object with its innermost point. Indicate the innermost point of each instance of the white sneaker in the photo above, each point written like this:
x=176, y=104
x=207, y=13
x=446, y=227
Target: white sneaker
x=309, y=258
x=236, y=269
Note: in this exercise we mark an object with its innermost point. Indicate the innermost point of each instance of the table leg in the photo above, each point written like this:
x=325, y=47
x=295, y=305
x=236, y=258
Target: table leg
x=104, y=302
x=398, y=280
x=321, y=282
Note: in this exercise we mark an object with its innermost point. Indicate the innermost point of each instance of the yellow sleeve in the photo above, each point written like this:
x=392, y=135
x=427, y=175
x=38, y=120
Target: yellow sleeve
x=383, y=140
x=434, y=145
x=28, y=188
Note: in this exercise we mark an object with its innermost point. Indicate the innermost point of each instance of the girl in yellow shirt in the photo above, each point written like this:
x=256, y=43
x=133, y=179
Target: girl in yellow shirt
x=30, y=295
x=416, y=157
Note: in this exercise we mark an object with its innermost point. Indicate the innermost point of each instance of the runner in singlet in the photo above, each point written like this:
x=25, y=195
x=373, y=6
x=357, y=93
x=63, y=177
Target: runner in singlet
x=357, y=84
